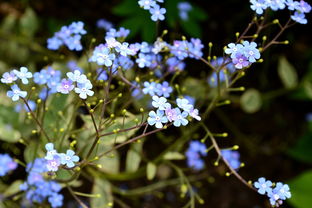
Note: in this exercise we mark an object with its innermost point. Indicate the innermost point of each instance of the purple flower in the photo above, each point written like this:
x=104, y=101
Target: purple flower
x=53, y=164
x=8, y=77
x=65, y=86
x=171, y=114
x=6, y=164
x=240, y=61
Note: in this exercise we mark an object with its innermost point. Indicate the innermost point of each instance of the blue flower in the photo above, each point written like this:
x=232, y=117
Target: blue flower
x=102, y=56
x=232, y=157
x=193, y=153
x=157, y=118
x=160, y=103
x=103, y=23
x=23, y=74
x=6, y=164
x=150, y=88
x=164, y=89
x=194, y=113
x=278, y=193
x=263, y=185
x=8, y=77
x=41, y=77
x=50, y=151
x=293, y=5
x=76, y=76
x=299, y=17
x=31, y=104
x=123, y=49
x=69, y=158
x=180, y=118
x=56, y=200
x=184, y=104
x=54, y=43
x=147, y=4
x=144, y=60
x=157, y=13
x=77, y=28
x=179, y=49
x=258, y=6
x=73, y=42
x=101, y=74
x=184, y=8
x=16, y=93
x=233, y=48
x=251, y=51
x=65, y=86
x=69, y=36
x=84, y=90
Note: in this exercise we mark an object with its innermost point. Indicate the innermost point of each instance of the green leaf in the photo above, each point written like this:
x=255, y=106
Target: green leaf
x=302, y=149
x=251, y=101
x=287, y=73
x=301, y=190
x=173, y=156
x=109, y=163
x=8, y=23
x=13, y=188
x=151, y=170
x=29, y=23
x=9, y=124
x=102, y=188
x=133, y=157
x=31, y=151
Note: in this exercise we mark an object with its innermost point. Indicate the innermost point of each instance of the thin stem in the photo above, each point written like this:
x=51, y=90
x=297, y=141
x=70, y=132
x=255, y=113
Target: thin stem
x=37, y=121
x=75, y=197
x=217, y=148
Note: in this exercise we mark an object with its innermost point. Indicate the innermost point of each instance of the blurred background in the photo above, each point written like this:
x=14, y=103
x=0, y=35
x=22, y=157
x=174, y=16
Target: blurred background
x=274, y=130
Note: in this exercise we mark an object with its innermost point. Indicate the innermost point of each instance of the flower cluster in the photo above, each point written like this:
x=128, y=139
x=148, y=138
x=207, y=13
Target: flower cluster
x=37, y=188
x=232, y=157
x=227, y=69
x=165, y=113
x=243, y=55
x=184, y=8
x=183, y=49
x=69, y=36
x=7, y=164
x=155, y=10
x=11, y=77
x=277, y=192
x=55, y=159
x=83, y=88
x=160, y=89
x=193, y=153
x=300, y=7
